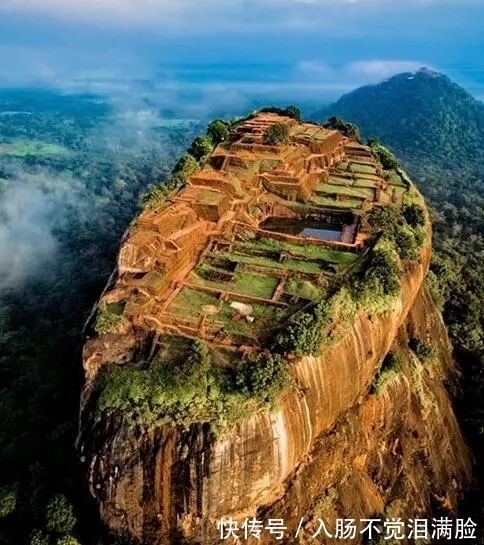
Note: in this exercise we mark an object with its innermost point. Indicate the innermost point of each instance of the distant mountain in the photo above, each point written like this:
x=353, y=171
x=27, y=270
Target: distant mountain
x=419, y=115
x=437, y=129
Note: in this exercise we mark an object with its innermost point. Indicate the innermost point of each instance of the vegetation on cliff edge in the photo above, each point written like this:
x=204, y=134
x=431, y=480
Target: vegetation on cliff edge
x=160, y=391
x=437, y=128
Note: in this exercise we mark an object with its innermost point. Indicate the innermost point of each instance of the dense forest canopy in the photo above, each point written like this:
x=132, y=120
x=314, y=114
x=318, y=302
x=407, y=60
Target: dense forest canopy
x=437, y=129
x=72, y=172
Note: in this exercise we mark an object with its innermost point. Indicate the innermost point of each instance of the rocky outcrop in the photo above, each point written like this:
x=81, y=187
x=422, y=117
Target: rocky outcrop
x=342, y=442
x=400, y=447
x=396, y=453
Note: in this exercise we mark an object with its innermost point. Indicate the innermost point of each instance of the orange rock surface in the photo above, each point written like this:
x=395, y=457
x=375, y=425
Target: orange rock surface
x=333, y=448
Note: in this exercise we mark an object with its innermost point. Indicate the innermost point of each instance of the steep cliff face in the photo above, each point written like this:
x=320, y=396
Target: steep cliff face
x=396, y=453
x=399, y=449
x=342, y=441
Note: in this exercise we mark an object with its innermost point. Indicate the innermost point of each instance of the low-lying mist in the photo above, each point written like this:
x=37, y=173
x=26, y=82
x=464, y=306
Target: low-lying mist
x=27, y=243
x=63, y=211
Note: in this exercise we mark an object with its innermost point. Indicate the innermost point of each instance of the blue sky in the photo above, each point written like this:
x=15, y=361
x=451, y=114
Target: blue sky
x=226, y=51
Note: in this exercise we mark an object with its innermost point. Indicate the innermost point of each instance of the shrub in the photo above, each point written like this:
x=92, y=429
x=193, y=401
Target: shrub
x=276, y=134
x=326, y=501
x=384, y=155
x=303, y=336
x=218, y=131
x=435, y=287
x=38, y=538
x=385, y=218
x=263, y=376
x=424, y=350
x=381, y=273
x=155, y=197
x=390, y=368
x=67, y=540
x=407, y=243
x=186, y=166
x=201, y=147
x=107, y=321
x=391, y=222
x=294, y=112
x=414, y=215
x=60, y=517
x=348, y=129
x=8, y=501
x=193, y=369
x=179, y=391
x=191, y=389
x=290, y=111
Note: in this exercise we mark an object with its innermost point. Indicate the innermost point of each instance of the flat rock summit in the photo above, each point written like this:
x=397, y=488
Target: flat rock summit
x=266, y=346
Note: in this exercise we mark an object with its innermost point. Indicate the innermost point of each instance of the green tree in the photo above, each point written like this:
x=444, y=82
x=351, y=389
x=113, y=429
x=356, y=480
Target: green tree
x=67, y=540
x=8, y=501
x=407, y=244
x=201, y=148
x=391, y=367
x=38, y=538
x=155, y=197
x=424, y=350
x=304, y=334
x=385, y=218
x=187, y=165
x=294, y=112
x=290, y=111
x=263, y=376
x=348, y=129
x=276, y=134
x=383, y=154
x=60, y=518
x=107, y=321
x=195, y=367
x=380, y=276
x=218, y=131
x=414, y=215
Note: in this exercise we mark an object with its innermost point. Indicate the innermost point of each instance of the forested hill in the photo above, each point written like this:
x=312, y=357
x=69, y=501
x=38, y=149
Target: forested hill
x=420, y=114
x=437, y=129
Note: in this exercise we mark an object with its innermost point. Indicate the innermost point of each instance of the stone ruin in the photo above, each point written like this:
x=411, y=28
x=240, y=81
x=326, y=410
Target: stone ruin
x=184, y=264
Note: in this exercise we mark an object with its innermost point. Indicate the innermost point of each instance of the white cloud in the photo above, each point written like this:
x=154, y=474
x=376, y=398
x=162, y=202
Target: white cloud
x=383, y=68
x=358, y=72
x=189, y=11
x=315, y=68
x=98, y=10
x=26, y=240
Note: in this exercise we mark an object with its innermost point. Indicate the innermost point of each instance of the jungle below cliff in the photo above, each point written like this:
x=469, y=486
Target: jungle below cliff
x=37, y=436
